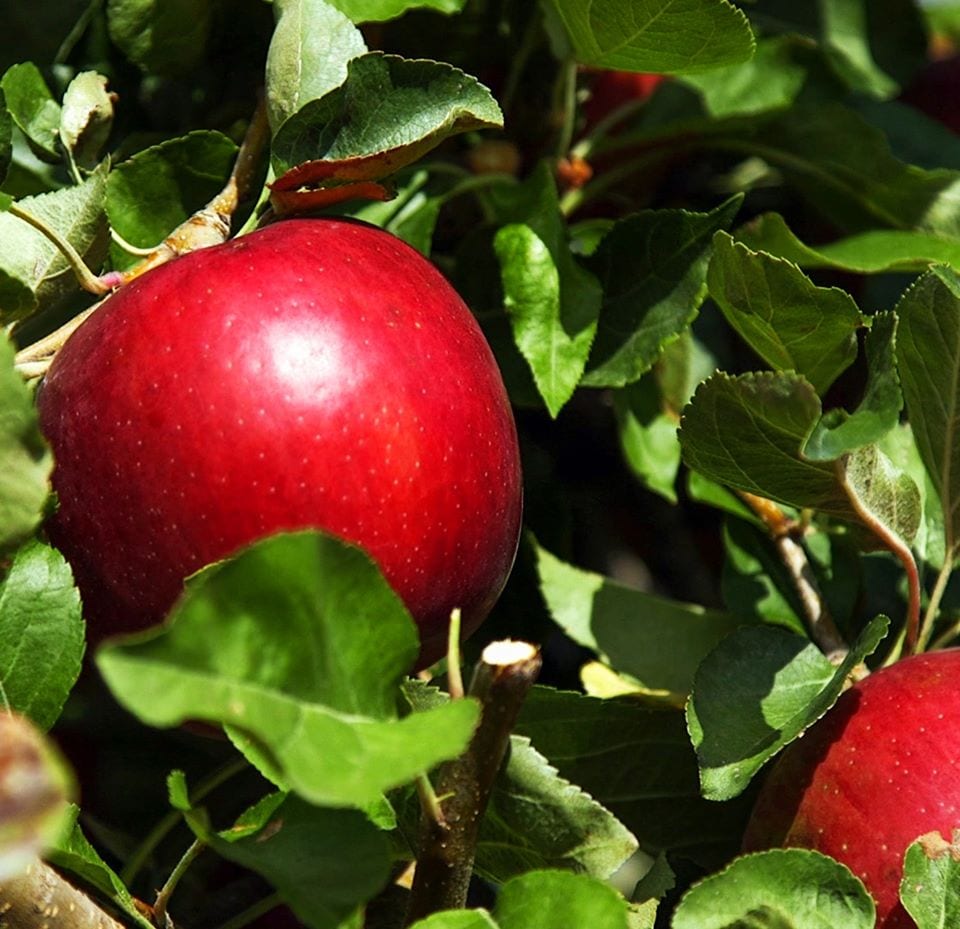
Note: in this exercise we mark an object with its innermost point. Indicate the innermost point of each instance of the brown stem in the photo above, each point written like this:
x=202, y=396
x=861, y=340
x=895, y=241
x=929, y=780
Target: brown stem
x=40, y=898
x=209, y=226
x=503, y=676
x=820, y=624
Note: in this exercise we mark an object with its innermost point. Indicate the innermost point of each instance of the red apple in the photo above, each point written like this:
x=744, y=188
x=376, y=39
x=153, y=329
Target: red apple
x=316, y=373
x=610, y=90
x=879, y=770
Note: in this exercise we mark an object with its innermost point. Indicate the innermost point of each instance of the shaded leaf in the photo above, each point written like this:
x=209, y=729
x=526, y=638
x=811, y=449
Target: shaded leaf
x=773, y=889
x=637, y=762
x=928, y=353
x=652, y=267
x=756, y=693
x=324, y=863
x=648, y=35
x=41, y=634
x=25, y=460
x=787, y=320
x=161, y=36
x=309, y=50
x=35, y=112
x=878, y=412
x=659, y=642
x=317, y=690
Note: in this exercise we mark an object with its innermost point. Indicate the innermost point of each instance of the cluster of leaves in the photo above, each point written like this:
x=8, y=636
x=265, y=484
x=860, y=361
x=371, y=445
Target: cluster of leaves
x=693, y=281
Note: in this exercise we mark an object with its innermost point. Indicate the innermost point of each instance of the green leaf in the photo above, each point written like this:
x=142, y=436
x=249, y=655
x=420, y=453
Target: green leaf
x=323, y=863
x=41, y=634
x=311, y=45
x=299, y=642
x=457, y=919
x=153, y=192
x=789, y=322
x=868, y=252
x=882, y=493
x=550, y=899
x=784, y=888
x=42, y=273
x=648, y=437
x=749, y=432
x=659, y=642
x=839, y=432
x=652, y=267
x=164, y=37
x=846, y=41
x=536, y=819
x=86, y=118
x=844, y=167
x=554, y=335
x=928, y=353
x=364, y=11
x=389, y=112
x=552, y=301
x=25, y=460
x=638, y=763
x=930, y=889
x=75, y=854
x=756, y=693
x=771, y=79
x=6, y=137
x=648, y=35
x=35, y=112
x=758, y=586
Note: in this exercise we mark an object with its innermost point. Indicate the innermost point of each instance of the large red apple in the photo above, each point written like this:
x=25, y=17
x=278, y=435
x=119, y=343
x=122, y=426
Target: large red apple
x=316, y=373
x=880, y=770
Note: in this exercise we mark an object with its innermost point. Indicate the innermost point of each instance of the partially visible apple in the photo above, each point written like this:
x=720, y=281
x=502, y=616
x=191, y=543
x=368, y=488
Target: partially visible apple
x=879, y=770
x=316, y=373
x=610, y=90
x=934, y=91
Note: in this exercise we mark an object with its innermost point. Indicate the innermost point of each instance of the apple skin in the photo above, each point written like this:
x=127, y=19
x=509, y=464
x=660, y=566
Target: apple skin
x=610, y=90
x=879, y=770
x=317, y=373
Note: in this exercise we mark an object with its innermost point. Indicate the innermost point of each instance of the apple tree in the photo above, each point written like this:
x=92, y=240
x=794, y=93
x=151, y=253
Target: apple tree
x=303, y=300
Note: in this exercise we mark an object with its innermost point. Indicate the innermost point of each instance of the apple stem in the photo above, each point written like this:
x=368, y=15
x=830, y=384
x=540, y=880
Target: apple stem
x=933, y=606
x=819, y=622
x=39, y=898
x=454, y=675
x=88, y=280
x=503, y=676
